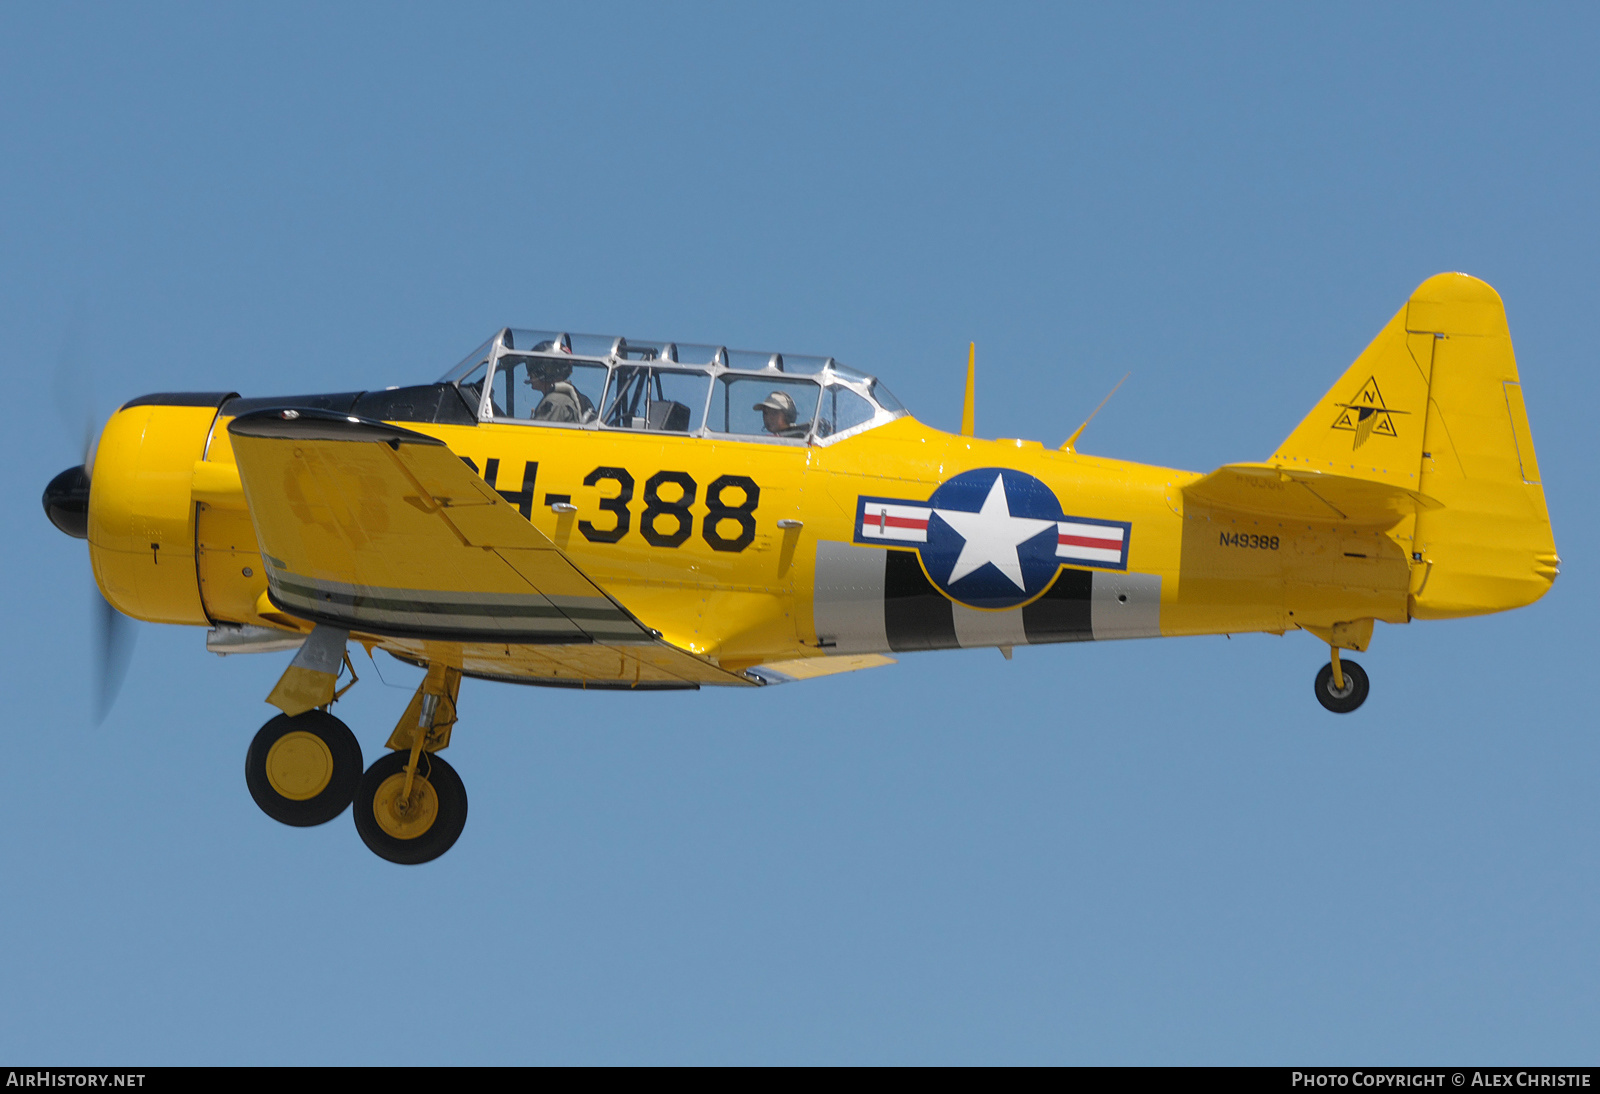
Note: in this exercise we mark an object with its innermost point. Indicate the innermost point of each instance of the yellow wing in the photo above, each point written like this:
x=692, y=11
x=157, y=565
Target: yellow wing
x=384, y=531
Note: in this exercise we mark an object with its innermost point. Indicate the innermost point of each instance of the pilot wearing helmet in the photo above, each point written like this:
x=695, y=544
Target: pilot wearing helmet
x=778, y=415
x=562, y=401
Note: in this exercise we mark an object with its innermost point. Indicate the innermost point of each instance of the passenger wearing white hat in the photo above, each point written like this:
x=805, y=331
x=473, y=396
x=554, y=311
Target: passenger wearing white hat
x=778, y=415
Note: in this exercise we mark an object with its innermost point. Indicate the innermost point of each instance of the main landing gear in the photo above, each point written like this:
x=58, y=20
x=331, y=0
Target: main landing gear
x=409, y=806
x=303, y=770
x=410, y=815
x=1341, y=685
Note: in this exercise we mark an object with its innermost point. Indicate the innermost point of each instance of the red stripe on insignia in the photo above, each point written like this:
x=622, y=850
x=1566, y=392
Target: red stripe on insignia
x=886, y=521
x=1085, y=541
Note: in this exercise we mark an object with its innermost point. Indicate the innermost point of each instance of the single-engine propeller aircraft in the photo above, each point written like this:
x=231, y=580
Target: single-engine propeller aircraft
x=598, y=512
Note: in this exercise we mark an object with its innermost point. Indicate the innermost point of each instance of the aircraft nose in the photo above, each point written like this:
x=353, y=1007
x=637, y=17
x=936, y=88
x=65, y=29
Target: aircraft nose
x=66, y=502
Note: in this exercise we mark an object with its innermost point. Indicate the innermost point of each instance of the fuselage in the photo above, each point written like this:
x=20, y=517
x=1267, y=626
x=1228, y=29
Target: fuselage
x=668, y=527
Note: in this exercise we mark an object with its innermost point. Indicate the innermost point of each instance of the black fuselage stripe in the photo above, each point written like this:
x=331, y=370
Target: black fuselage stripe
x=916, y=616
x=1062, y=614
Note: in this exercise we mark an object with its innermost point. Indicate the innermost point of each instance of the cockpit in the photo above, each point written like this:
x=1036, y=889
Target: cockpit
x=587, y=381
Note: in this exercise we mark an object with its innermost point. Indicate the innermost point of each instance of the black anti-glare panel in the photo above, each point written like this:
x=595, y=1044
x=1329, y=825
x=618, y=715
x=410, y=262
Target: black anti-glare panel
x=424, y=403
x=339, y=402
x=181, y=398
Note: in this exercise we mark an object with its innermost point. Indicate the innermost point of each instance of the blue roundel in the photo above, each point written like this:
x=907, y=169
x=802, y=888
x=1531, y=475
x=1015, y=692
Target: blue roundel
x=992, y=537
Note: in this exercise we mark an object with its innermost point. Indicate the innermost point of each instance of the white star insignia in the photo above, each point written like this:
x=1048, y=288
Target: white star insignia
x=992, y=536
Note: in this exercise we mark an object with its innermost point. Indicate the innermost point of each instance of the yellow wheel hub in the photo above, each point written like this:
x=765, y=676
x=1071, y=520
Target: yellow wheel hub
x=299, y=765
x=408, y=819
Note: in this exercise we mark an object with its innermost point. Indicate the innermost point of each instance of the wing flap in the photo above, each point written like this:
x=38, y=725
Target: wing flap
x=813, y=668
x=595, y=665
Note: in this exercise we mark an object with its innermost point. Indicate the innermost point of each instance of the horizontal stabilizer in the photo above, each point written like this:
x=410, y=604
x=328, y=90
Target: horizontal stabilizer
x=1294, y=494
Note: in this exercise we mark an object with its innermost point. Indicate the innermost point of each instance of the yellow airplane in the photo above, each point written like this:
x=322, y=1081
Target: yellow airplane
x=597, y=512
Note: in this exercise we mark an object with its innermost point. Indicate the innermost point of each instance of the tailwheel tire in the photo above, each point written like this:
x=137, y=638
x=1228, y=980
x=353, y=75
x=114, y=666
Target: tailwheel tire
x=1354, y=693
x=303, y=771
x=420, y=829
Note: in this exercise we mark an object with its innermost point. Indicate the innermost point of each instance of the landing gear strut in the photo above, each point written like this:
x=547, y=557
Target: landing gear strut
x=303, y=770
x=1341, y=685
x=411, y=805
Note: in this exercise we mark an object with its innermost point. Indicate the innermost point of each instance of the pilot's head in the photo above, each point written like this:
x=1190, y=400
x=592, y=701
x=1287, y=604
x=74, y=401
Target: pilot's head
x=544, y=375
x=777, y=412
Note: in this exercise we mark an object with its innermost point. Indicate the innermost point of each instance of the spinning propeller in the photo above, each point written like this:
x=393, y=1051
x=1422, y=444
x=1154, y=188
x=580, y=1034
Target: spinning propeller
x=66, y=503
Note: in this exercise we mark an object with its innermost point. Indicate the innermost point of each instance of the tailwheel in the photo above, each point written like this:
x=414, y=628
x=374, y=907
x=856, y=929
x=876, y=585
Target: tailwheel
x=303, y=770
x=416, y=828
x=1341, y=685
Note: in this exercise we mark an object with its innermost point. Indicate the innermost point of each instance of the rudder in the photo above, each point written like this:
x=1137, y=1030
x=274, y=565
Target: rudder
x=1489, y=546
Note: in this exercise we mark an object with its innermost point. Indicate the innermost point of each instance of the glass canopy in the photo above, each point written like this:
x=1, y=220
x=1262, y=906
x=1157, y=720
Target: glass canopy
x=591, y=381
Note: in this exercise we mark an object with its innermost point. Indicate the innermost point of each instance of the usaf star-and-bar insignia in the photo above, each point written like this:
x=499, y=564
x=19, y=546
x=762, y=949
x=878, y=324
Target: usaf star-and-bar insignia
x=994, y=537
x=1366, y=415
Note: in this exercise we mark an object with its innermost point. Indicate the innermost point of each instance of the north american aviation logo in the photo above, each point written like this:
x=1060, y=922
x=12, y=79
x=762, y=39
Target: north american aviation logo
x=1367, y=414
x=992, y=538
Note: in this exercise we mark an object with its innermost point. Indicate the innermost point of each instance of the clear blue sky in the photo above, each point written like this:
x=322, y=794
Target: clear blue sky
x=1156, y=851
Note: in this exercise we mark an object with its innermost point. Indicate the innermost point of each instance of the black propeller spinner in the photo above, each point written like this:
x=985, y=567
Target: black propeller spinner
x=66, y=502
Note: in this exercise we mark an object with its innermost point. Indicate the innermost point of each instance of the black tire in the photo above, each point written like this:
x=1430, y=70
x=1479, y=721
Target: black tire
x=448, y=822
x=343, y=758
x=1355, y=687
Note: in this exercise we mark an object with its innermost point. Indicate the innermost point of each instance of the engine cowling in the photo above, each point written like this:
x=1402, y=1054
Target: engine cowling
x=142, y=506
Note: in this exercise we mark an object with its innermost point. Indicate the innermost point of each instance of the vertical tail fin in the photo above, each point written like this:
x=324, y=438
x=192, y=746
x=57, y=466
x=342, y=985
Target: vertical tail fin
x=1370, y=423
x=1434, y=405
